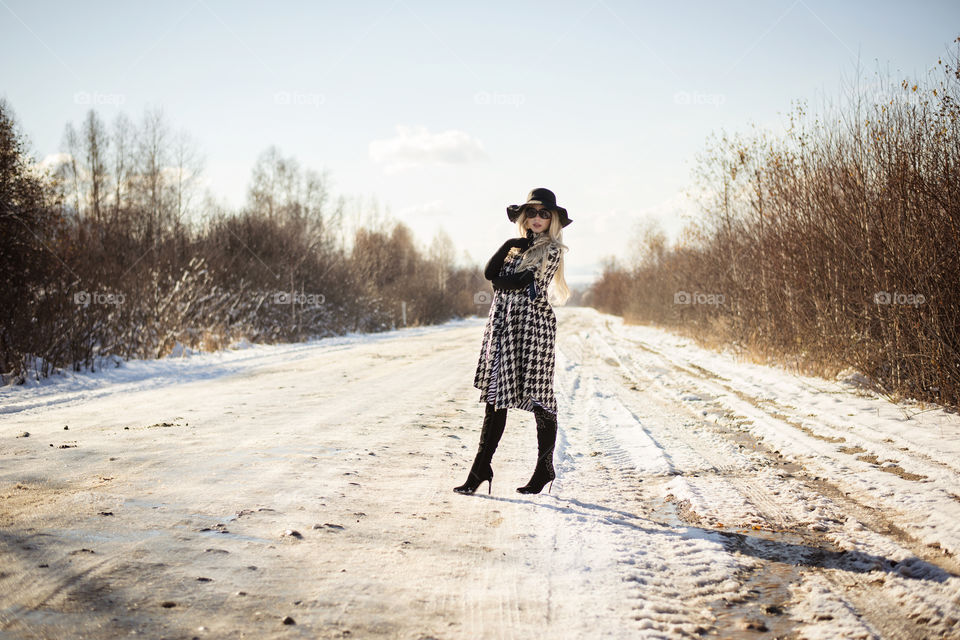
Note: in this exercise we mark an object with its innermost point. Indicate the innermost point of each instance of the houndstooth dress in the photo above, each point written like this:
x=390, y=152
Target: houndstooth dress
x=517, y=355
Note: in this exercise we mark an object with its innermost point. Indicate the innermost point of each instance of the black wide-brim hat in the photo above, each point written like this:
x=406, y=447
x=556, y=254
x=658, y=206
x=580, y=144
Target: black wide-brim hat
x=540, y=196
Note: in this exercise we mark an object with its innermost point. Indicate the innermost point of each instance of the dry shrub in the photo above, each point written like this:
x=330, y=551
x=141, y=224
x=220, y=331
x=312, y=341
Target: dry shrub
x=109, y=256
x=832, y=246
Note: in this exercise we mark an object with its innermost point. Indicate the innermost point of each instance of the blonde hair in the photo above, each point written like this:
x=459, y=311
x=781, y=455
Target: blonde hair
x=536, y=256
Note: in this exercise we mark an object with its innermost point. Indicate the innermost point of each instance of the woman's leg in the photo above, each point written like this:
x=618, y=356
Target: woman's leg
x=546, y=441
x=494, y=421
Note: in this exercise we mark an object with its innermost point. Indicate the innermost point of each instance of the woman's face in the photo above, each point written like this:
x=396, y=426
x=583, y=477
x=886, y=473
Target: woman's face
x=534, y=221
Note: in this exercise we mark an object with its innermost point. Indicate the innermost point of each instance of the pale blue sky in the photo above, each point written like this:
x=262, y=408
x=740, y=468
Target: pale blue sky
x=446, y=112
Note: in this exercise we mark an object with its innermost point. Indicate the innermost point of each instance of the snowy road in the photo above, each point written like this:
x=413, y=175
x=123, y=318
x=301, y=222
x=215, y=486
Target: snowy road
x=217, y=495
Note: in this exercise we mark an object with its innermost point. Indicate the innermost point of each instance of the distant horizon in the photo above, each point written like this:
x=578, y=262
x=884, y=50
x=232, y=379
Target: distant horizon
x=444, y=115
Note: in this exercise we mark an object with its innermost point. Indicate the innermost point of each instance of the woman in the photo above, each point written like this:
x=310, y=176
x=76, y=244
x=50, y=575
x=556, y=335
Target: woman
x=517, y=357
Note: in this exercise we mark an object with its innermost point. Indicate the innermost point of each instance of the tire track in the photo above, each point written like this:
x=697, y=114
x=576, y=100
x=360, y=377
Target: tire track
x=874, y=517
x=875, y=604
x=825, y=429
x=672, y=574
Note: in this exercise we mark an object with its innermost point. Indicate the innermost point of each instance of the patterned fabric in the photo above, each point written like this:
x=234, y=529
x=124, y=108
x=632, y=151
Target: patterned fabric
x=492, y=387
x=516, y=362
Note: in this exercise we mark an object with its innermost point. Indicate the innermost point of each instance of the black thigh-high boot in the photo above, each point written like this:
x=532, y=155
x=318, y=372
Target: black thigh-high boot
x=494, y=421
x=546, y=440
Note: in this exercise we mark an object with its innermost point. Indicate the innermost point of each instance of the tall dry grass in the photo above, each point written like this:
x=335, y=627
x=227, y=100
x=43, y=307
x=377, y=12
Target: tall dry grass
x=834, y=245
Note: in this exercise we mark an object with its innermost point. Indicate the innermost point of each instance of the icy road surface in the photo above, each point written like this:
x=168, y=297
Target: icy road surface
x=305, y=491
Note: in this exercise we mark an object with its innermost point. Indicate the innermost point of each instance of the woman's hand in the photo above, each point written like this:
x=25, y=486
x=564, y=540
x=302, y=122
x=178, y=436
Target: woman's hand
x=518, y=243
x=492, y=270
x=513, y=281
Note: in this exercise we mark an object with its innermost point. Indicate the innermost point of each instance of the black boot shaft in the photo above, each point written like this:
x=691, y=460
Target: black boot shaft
x=494, y=421
x=546, y=441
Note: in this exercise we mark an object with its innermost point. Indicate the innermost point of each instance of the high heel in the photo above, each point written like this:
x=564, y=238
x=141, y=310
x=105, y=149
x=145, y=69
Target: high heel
x=473, y=483
x=537, y=484
x=546, y=440
x=494, y=421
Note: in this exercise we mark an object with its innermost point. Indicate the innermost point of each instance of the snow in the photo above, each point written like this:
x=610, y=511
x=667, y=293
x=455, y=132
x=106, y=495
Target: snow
x=696, y=495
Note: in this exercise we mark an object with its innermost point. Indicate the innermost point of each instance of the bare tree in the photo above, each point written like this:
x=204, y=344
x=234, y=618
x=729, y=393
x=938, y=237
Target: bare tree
x=123, y=145
x=72, y=143
x=188, y=169
x=96, y=146
x=443, y=256
x=151, y=159
x=202, y=285
x=263, y=194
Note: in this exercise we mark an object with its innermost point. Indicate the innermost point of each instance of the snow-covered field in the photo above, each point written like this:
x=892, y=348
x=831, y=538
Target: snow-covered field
x=306, y=491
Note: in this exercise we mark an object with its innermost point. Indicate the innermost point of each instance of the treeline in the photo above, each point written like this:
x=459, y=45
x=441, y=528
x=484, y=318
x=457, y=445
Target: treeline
x=836, y=244
x=113, y=252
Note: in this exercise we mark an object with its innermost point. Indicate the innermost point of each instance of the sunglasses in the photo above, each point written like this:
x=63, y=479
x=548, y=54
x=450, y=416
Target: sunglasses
x=546, y=214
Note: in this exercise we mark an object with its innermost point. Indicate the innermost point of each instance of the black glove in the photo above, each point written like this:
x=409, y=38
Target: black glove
x=492, y=270
x=513, y=281
x=522, y=243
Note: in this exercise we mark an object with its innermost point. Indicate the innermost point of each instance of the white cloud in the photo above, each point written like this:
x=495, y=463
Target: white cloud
x=57, y=164
x=415, y=147
x=54, y=160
